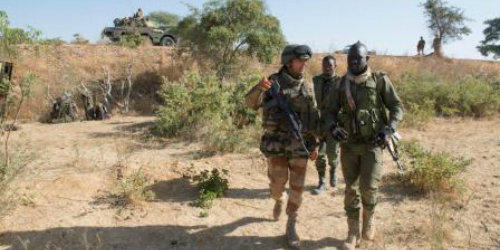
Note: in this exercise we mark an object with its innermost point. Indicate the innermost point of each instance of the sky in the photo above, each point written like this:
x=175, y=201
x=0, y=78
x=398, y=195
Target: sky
x=387, y=26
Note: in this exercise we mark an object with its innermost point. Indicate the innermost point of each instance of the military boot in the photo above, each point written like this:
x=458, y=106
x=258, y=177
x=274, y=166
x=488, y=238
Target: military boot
x=278, y=206
x=333, y=178
x=291, y=234
x=353, y=236
x=368, y=231
x=321, y=185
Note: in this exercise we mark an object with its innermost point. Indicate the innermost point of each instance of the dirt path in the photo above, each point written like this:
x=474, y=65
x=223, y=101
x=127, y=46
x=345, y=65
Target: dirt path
x=64, y=194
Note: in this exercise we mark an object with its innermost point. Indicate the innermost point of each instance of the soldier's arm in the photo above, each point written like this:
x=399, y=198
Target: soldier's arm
x=331, y=106
x=392, y=103
x=253, y=99
x=312, y=134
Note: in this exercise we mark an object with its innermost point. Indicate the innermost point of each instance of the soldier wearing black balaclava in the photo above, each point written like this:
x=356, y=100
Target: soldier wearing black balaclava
x=356, y=116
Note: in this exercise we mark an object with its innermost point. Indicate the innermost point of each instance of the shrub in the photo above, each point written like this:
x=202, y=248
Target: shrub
x=8, y=174
x=79, y=39
x=427, y=95
x=133, y=189
x=52, y=41
x=432, y=171
x=206, y=108
x=213, y=184
x=132, y=41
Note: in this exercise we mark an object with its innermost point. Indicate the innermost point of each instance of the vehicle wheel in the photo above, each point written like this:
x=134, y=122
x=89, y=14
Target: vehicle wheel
x=167, y=41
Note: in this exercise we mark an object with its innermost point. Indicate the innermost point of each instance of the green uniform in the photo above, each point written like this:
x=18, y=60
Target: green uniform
x=287, y=160
x=329, y=147
x=357, y=105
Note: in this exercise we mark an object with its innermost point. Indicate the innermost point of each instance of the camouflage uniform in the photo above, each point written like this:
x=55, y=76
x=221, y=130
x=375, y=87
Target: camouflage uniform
x=64, y=109
x=286, y=158
x=329, y=147
x=361, y=159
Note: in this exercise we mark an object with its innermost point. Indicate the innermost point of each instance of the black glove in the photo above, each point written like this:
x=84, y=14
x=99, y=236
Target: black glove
x=339, y=133
x=383, y=135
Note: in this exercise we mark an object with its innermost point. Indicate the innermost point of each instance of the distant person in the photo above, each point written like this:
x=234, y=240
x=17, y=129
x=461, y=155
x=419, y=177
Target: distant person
x=357, y=118
x=139, y=14
x=421, y=46
x=328, y=148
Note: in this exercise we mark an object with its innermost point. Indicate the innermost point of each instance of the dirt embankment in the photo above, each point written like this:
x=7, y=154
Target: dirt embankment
x=65, y=67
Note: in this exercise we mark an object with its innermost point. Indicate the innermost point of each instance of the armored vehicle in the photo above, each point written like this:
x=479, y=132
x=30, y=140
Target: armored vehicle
x=130, y=25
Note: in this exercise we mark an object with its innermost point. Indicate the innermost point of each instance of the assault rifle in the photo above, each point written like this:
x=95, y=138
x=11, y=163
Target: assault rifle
x=391, y=145
x=292, y=119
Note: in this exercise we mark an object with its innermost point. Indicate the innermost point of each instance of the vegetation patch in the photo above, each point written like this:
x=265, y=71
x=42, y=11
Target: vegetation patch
x=212, y=184
x=432, y=171
x=425, y=96
x=211, y=110
x=132, y=190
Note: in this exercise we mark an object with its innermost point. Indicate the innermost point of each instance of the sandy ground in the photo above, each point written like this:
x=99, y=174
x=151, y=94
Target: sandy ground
x=65, y=190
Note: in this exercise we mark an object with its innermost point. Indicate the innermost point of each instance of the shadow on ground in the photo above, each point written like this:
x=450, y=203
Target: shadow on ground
x=397, y=190
x=174, y=190
x=182, y=190
x=143, y=134
x=153, y=237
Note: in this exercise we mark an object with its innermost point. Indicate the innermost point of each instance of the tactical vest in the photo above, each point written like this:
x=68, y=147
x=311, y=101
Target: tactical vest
x=363, y=123
x=322, y=87
x=301, y=100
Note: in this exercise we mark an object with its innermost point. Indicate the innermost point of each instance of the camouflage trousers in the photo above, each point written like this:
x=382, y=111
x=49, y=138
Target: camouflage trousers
x=362, y=169
x=278, y=143
x=329, y=150
x=293, y=170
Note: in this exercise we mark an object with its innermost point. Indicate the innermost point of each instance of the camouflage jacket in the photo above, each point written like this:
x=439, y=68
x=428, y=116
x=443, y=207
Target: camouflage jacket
x=372, y=95
x=301, y=97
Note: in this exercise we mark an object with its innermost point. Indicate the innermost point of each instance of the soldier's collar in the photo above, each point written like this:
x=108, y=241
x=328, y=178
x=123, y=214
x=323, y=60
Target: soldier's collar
x=359, y=78
x=290, y=79
x=327, y=77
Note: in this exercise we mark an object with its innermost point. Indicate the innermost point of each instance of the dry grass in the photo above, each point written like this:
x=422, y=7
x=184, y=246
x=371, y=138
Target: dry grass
x=62, y=68
x=450, y=70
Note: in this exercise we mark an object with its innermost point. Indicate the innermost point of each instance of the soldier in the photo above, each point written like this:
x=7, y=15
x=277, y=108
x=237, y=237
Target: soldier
x=139, y=14
x=421, y=46
x=286, y=157
x=323, y=84
x=64, y=109
x=357, y=118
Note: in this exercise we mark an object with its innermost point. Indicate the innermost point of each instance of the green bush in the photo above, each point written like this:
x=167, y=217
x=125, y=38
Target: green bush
x=472, y=96
x=52, y=41
x=431, y=171
x=206, y=108
x=131, y=40
x=133, y=189
x=425, y=96
x=213, y=184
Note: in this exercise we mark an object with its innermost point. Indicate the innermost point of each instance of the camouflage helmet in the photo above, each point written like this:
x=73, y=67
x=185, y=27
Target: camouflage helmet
x=293, y=51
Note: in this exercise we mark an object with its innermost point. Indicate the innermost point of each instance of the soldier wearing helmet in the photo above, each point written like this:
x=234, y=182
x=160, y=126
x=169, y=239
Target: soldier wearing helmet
x=286, y=158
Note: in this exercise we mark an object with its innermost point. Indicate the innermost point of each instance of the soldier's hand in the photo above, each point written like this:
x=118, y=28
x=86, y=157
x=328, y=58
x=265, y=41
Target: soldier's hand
x=314, y=154
x=264, y=84
x=340, y=134
x=382, y=136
